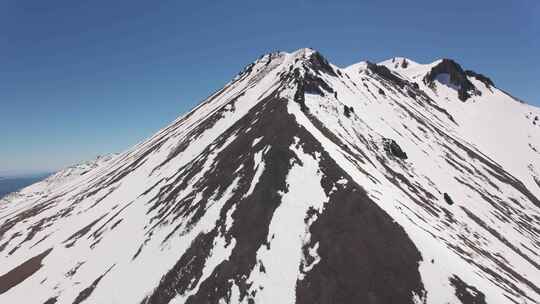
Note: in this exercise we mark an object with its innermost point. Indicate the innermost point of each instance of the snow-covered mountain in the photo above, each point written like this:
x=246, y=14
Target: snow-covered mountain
x=299, y=182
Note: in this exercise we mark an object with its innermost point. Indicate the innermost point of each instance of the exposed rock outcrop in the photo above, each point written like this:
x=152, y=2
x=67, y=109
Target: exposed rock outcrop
x=457, y=78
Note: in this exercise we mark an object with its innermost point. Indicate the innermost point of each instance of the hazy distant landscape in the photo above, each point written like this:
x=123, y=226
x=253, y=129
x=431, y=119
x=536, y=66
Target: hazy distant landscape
x=12, y=184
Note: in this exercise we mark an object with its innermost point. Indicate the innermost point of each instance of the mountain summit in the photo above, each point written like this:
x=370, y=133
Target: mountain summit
x=298, y=182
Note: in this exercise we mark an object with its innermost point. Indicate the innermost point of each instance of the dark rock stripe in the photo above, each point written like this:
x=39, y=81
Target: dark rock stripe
x=52, y=300
x=85, y=293
x=22, y=272
x=365, y=256
x=81, y=232
x=467, y=294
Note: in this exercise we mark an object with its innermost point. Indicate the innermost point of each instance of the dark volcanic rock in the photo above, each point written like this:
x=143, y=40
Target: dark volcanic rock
x=22, y=272
x=386, y=74
x=404, y=64
x=457, y=77
x=52, y=300
x=467, y=294
x=382, y=263
x=319, y=63
x=480, y=77
x=448, y=199
x=347, y=111
x=85, y=293
x=391, y=147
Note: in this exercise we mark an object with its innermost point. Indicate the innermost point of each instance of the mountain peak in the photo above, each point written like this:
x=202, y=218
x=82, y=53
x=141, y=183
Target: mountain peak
x=449, y=72
x=480, y=77
x=312, y=58
x=303, y=53
x=399, y=63
x=297, y=182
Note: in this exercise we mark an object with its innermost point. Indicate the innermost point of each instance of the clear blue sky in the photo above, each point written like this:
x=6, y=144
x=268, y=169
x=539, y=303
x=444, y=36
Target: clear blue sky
x=82, y=78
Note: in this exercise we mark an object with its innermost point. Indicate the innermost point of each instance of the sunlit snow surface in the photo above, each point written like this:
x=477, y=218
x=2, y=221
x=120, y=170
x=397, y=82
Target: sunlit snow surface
x=122, y=229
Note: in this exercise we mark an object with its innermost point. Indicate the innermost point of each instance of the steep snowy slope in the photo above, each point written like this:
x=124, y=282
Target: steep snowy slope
x=299, y=182
x=496, y=123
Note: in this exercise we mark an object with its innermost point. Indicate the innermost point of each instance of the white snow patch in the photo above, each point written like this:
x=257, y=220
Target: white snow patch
x=256, y=141
x=287, y=233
